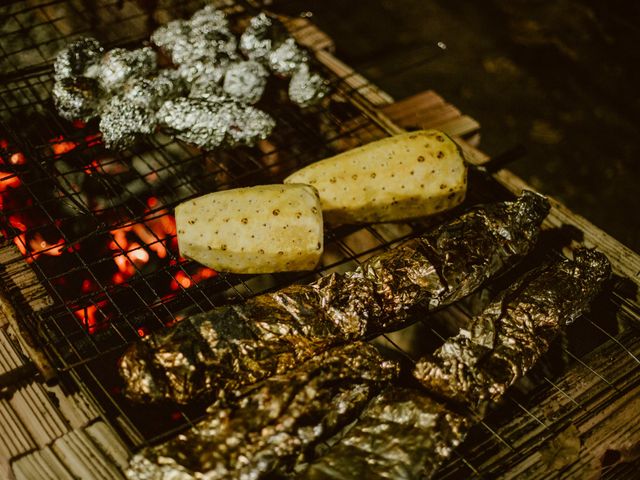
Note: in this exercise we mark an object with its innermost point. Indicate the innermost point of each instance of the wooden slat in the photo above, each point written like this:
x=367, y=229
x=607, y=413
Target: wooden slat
x=599, y=410
x=308, y=35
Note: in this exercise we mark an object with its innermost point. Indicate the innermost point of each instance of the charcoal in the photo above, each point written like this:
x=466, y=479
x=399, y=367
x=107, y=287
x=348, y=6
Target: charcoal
x=263, y=431
x=287, y=58
x=403, y=434
x=476, y=367
x=263, y=35
x=245, y=81
x=119, y=65
x=307, y=88
x=237, y=345
x=74, y=60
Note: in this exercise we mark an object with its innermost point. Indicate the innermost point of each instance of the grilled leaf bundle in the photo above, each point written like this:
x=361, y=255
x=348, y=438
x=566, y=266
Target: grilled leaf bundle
x=407, y=434
x=272, y=424
x=237, y=345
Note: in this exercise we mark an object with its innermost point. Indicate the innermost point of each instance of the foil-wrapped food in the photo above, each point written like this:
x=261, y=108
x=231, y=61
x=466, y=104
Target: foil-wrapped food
x=245, y=81
x=132, y=114
x=212, y=121
x=406, y=434
x=122, y=86
x=238, y=345
x=403, y=434
x=76, y=98
x=119, y=65
x=262, y=432
x=475, y=367
x=204, y=37
x=307, y=88
x=262, y=36
x=77, y=58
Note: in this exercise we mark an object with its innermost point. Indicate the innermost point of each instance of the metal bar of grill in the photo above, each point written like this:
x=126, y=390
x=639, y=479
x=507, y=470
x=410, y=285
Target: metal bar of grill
x=143, y=302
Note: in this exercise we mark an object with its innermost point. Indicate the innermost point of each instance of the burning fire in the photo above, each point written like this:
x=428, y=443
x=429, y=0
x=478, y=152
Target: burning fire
x=88, y=316
x=147, y=242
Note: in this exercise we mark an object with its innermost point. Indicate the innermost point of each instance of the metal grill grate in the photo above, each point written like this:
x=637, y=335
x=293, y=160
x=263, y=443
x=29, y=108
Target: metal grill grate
x=125, y=196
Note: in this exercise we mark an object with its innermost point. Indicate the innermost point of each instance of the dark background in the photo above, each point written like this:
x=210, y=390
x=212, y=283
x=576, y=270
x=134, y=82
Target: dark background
x=557, y=77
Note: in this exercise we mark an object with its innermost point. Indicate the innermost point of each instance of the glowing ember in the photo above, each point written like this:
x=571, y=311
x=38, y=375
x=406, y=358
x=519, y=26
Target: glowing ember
x=181, y=279
x=39, y=246
x=17, y=158
x=88, y=316
x=8, y=180
x=147, y=242
x=60, y=146
x=93, y=140
x=87, y=285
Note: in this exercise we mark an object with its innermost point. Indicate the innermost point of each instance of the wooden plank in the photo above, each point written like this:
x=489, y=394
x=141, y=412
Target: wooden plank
x=595, y=412
x=308, y=35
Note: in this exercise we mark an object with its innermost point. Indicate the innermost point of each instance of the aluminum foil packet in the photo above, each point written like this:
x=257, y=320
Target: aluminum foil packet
x=76, y=98
x=74, y=60
x=210, y=123
x=307, y=88
x=205, y=37
x=403, y=434
x=261, y=432
x=287, y=58
x=245, y=81
x=122, y=122
x=263, y=35
x=119, y=65
x=477, y=366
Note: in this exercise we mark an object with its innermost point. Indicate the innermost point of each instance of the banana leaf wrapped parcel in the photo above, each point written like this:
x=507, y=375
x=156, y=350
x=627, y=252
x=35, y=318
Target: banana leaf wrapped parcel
x=233, y=346
x=407, y=434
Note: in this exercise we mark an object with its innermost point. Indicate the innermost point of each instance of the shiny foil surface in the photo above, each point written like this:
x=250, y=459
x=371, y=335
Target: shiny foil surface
x=476, y=367
x=287, y=58
x=264, y=430
x=237, y=345
x=76, y=98
x=403, y=434
x=307, y=88
x=127, y=90
x=74, y=60
x=209, y=122
x=245, y=81
x=263, y=34
x=119, y=65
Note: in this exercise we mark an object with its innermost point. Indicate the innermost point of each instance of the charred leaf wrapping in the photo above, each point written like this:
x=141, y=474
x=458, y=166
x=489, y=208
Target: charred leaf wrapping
x=269, y=334
x=270, y=426
x=407, y=434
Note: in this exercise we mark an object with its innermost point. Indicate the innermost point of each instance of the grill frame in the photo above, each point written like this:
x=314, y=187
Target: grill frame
x=363, y=99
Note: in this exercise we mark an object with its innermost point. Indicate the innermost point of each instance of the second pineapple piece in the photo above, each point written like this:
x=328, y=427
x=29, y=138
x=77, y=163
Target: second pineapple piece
x=405, y=176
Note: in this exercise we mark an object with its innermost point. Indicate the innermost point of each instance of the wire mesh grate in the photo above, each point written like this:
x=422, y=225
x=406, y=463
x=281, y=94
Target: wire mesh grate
x=96, y=227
